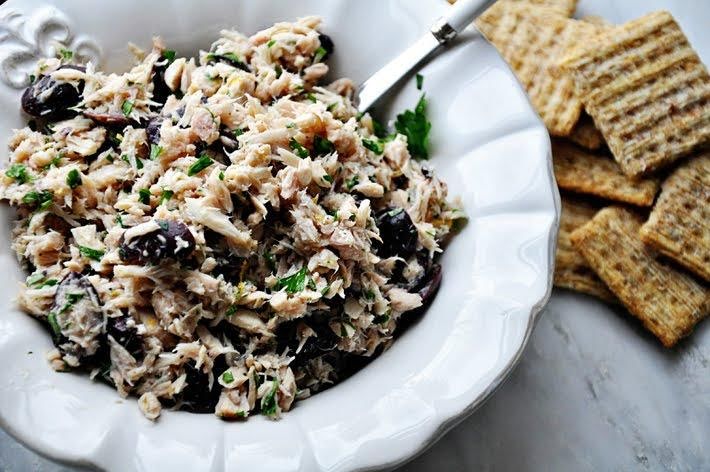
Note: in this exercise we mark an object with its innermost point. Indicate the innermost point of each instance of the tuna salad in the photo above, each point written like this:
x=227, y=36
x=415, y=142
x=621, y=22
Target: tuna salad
x=222, y=234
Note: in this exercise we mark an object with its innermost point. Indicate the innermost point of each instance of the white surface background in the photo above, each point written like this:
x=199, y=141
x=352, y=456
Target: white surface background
x=594, y=391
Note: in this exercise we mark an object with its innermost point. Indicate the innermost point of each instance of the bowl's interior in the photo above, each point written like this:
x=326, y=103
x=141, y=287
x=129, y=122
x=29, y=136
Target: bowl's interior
x=489, y=146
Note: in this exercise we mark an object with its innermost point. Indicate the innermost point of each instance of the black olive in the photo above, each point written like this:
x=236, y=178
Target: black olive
x=428, y=288
x=125, y=335
x=398, y=233
x=228, y=60
x=327, y=44
x=324, y=342
x=76, y=311
x=153, y=129
x=46, y=98
x=161, y=91
x=197, y=396
x=172, y=240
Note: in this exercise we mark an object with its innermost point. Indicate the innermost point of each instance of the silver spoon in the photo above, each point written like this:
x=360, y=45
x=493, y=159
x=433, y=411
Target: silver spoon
x=444, y=30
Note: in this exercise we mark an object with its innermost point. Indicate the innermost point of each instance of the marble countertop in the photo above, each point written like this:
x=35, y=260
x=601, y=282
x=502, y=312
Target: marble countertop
x=594, y=391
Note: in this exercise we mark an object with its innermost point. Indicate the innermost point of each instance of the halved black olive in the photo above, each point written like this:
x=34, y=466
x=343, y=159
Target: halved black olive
x=398, y=233
x=107, y=119
x=49, y=99
x=161, y=91
x=324, y=342
x=327, y=44
x=197, y=396
x=125, y=335
x=428, y=288
x=172, y=240
x=76, y=317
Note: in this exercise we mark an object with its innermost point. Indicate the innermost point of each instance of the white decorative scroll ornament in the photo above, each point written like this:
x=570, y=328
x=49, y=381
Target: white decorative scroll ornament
x=25, y=38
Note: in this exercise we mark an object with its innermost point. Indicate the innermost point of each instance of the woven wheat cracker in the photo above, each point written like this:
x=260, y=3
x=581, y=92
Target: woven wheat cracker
x=533, y=40
x=586, y=134
x=571, y=269
x=679, y=225
x=667, y=301
x=647, y=91
x=581, y=171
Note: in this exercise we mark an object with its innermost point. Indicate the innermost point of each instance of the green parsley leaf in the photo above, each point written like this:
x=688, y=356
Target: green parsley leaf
x=42, y=200
x=202, y=163
x=298, y=148
x=221, y=175
x=381, y=319
x=379, y=129
x=66, y=54
x=119, y=220
x=155, y=151
x=295, y=282
x=127, y=108
x=33, y=78
x=90, y=253
x=369, y=295
x=352, y=182
x=19, y=173
x=73, y=179
x=332, y=106
x=269, y=404
x=231, y=310
x=322, y=146
x=166, y=195
x=415, y=126
x=311, y=97
x=320, y=54
x=279, y=70
x=325, y=290
x=168, y=54
x=328, y=178
x=374, y=145
x=144, y=196
x=227, y=377
x=420, y=81
x=270, y=43
x=56, y=160
x=52, y=320
x=38, y=280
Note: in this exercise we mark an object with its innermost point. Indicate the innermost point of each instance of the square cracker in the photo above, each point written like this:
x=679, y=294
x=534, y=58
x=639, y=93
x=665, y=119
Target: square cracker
x=571, y=269
x=647, y=90
x=579, y=170
x=565, y=7
x=586, y=134
x=532, y=40
x=667, y=301
x=679, y=225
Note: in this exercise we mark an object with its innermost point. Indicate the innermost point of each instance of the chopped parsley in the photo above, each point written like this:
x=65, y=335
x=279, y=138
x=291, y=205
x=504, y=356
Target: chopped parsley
x=322, y=146
x=52, y=320
x=73, y=179
x=42, y=200
x=279, y=70
x=166, y=195
x=352, y=182
x=230, y=311
x=168, y=54
x=295, y=282
x=19, y=173
x=227, y=377
x=381, y=319
x=298, y=148
x=328, y=178
x=374, y=145
x=56, y=160
x=270, y=43
x=332, y=106
x=144, y=196
x=66, y=54
x=369, y=295
x=269, y=405
x=202, y=163
x=38, y=280
x=229, y=57
x=119, y=220
x=221, y=175
x=90, y=253
x=311, y=97
x=155, y=151
x=127, y=108
x=415, y=126
x=320, y=54
x=420, y=81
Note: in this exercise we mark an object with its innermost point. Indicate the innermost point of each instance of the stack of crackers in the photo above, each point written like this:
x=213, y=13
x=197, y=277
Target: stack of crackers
x=628, y=109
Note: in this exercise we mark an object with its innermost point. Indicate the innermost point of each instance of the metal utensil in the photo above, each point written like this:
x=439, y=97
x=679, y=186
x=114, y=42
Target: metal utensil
x=444, y=30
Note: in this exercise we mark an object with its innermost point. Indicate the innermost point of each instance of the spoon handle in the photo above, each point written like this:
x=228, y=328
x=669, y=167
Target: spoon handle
x=459, y=16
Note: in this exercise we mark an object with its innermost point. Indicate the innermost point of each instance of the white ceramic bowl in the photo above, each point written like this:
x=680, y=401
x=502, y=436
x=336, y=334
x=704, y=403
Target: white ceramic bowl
x=488, y=144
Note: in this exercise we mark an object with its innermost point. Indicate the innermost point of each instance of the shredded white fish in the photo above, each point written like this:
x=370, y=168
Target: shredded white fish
x=222, y=234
